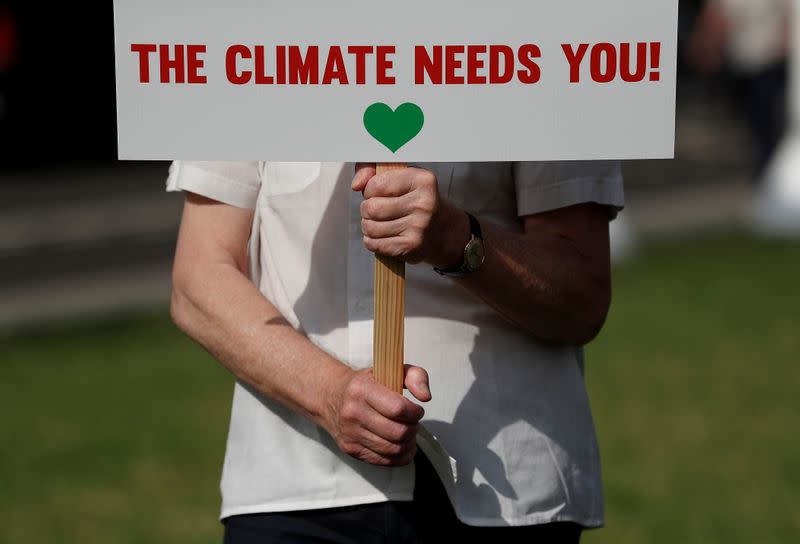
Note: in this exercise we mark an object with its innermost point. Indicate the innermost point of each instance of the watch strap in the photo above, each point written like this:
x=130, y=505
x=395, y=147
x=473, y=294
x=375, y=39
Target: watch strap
x=461, y=269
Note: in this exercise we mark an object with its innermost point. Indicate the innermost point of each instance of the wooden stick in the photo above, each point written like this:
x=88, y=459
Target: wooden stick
x=387, y=347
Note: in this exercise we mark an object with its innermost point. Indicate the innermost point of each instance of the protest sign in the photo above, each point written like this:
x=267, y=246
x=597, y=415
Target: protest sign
x=352, y=80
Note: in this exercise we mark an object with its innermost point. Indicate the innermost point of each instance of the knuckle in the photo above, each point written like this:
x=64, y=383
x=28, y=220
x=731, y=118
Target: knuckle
x=381, y=184
x=383, y=461
x=393, y=450
x=421, y=222
x=410, y=433
x=415, y=413
x=367, y=191
x=425, y=206
x=412, y=452
x=405, y=457
x=425, y=178
x=395, y=409
x=368, y=208
x=358, y=386
x=349, y=412
x=415, y=238
x=370, y=243
x=403, y=434
x=351, y=448
x=367, y=227
x=397, y=434
x=396, y=250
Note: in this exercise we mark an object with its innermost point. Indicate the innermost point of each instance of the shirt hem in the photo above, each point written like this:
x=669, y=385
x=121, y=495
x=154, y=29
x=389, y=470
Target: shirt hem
x=263, y=508
x=533, y=519
x=188, y=177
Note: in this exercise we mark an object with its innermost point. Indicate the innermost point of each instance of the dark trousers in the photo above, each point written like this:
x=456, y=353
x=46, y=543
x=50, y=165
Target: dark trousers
x=429, y=518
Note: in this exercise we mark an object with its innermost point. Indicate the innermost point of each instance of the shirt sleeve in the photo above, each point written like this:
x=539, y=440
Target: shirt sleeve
x=234, y=183
x=544, y=186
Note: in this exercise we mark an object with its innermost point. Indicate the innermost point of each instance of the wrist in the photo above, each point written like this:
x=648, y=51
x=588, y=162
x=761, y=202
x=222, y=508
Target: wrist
x=453, y=233
x=327, y=399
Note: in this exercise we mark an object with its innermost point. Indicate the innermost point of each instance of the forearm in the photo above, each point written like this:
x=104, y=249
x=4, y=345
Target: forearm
x=217, y=305
x=541, y=281
x=552, y=278
x=220, y=308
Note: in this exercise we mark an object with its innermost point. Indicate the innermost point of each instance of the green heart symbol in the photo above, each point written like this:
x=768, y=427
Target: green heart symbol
x=393, y=128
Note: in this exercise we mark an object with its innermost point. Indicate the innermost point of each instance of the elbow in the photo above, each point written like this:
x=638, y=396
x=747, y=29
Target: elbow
x=574, y=322
x=180, y=306
x=176, y=308
x=589, y=321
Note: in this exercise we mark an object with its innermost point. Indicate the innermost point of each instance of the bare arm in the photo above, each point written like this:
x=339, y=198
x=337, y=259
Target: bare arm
x=552, y=279
x=216, y=304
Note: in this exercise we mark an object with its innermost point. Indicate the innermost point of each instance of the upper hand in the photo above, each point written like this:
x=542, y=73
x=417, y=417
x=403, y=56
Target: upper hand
x=402, y=216
x=374, y=424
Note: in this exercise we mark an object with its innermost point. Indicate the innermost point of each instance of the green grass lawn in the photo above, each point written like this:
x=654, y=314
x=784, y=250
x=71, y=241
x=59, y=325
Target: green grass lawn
x=114, y=431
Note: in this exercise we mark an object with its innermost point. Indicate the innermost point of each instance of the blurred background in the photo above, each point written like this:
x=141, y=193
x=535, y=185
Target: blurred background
x=113, y=424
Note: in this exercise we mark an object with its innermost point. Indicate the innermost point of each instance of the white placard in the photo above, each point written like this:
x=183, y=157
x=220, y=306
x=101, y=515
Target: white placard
x=373, y=80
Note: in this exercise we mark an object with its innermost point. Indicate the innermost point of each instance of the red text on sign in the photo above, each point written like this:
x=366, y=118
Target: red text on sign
x=291, y=65
x=476, y=64
x=608, y=62
x=176, y=63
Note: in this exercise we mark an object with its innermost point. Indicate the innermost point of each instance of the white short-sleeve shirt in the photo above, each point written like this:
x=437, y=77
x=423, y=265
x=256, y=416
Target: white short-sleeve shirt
x=509, y=429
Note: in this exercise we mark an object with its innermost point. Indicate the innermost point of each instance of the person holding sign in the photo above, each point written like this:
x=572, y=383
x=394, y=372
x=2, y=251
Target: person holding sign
x=508, y=278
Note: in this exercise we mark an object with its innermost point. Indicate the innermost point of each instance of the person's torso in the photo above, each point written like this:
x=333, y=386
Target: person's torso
x=509, y=427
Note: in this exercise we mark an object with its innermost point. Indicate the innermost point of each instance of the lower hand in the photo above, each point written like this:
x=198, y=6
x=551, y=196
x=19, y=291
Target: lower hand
x=374, y=424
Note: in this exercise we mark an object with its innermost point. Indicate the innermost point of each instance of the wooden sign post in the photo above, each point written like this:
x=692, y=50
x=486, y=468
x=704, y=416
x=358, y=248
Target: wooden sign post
x=387, y=336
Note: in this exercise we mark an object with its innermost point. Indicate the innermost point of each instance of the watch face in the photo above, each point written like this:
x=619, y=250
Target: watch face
x=474, y=254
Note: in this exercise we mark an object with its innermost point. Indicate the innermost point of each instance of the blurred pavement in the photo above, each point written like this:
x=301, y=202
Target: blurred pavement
x=84, y=241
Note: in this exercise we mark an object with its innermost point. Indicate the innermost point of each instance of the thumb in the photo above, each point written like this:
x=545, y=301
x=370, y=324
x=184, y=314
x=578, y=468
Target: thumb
x=364, y=172
x=416, y=381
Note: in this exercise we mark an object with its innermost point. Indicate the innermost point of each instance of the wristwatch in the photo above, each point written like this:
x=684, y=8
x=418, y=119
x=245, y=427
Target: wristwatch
x=474, y=252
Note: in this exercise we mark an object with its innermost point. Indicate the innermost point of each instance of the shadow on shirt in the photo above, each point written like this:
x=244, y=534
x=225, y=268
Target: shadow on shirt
x=482, y=414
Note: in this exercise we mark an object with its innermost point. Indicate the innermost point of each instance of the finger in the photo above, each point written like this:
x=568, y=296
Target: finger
x=361, y=452
x=381, y=208
x=417, y=382
x=391, y=183
x=374, y=458
x=383, y=229
x=397, y=460
x=392, y=405
x=408, y=457
x=405, y=247
x=389, y=247
x=386, y=448
x=364, y=172
x=405, y=458
x=372, y=421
